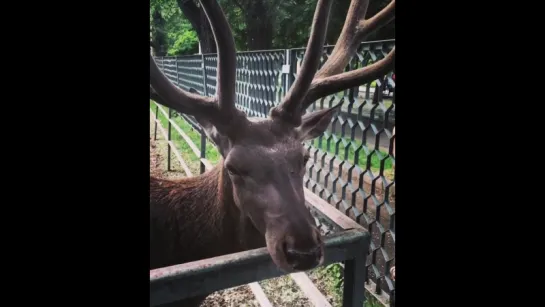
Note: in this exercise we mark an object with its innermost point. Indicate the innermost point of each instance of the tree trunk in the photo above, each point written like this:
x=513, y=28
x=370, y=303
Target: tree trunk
x=259, y=34
x=160, y=44
x=200, y=24
x=259, y=26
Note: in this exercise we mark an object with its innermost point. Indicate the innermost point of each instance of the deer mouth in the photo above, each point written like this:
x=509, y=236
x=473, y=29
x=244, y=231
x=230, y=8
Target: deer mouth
x=301, y=260
x=290, y=259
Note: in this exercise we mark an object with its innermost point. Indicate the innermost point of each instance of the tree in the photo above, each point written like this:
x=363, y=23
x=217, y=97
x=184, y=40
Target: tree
x=170, y=30
x=258, y=16
x=158, y=36
x=179, y=25
x=196, y=16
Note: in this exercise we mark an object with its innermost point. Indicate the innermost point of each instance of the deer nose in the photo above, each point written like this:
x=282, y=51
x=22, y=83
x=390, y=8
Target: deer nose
x=303, y=259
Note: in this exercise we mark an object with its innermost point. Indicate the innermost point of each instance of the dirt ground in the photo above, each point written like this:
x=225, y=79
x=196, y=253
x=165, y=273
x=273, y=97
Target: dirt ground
x=280, y=291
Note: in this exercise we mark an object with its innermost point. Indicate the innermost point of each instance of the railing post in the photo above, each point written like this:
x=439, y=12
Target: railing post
x=156, y=106
x=177, y=74
x=354, y=281
x=156, y=119
x=203, y=150
x=169, y=138
x=288, y=69
x=169, y=149
x=203, y=135
x=204, y=81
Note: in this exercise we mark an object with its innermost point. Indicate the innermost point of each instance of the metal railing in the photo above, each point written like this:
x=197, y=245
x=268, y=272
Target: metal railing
x=351, y=165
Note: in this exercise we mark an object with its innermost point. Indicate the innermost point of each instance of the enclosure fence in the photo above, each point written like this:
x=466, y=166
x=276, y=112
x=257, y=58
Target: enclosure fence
x=351, y=165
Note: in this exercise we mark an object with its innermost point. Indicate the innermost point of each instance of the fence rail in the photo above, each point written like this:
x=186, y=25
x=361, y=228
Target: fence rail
x=352, y=164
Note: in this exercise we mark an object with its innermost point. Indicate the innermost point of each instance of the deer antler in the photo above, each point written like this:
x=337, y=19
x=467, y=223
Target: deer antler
x=322, y=87
x=330, y=79
x=354, y=31
x=219, y=110
x=289, y=109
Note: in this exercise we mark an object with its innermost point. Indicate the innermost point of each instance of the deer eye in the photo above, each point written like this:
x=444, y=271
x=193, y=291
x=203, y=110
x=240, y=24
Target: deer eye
x=305, y=159
x=234, y=171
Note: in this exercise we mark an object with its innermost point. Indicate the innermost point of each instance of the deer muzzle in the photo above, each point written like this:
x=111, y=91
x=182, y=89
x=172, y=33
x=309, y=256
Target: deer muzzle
x=303, y=252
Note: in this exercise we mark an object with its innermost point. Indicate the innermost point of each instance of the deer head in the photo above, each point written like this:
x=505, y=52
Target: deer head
x=265, y=158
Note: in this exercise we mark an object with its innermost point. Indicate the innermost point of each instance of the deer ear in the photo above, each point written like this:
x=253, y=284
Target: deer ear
x=315, y=123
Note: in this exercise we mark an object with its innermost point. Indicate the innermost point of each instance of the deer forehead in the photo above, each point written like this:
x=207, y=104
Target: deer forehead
x=278, y=152
x=267, y=132
x=257, y=120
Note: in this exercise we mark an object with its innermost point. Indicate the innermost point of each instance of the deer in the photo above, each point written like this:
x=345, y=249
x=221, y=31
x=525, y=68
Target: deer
x=254, y=196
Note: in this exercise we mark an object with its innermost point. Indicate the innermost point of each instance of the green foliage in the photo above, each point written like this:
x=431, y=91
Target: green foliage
x=333, y=277
x=290, y=20
x=183, y=42
x=235, y=16
x=181, y=38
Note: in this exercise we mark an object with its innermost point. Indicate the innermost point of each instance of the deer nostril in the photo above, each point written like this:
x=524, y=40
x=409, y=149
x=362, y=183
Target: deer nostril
x=303, y=260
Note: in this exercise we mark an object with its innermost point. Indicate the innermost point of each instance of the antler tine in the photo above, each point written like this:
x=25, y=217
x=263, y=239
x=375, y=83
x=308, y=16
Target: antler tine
x=225, y=44
x=354, y=31
x=289, y=109
x=330, y=79
x=333, y=84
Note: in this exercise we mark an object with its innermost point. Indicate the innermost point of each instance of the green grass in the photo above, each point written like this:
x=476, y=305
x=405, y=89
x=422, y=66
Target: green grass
x=331, y=277
x=347, y=152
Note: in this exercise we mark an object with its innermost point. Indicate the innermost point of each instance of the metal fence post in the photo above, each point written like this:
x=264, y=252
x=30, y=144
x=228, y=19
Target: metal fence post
x=204, y=81
x=177, y=73
x=169, y=153
x=354, y=281
x=287, y=70
x=156, y=119
x=203, y=150
x=156, y=106
x=203, y=135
